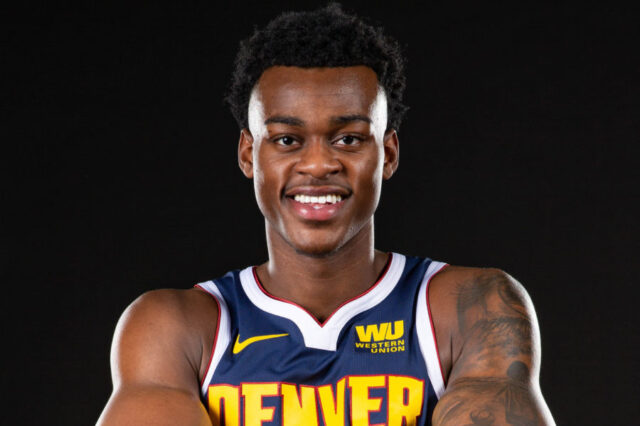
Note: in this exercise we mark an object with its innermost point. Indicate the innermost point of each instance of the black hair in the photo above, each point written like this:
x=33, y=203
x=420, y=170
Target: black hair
x=326, y=37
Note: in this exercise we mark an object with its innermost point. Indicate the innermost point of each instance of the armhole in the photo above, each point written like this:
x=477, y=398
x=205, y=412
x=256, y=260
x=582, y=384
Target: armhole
x=426, y=331
x=222, y=336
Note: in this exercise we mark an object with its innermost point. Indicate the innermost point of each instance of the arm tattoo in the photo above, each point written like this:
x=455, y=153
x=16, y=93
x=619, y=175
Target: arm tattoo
x=518, y=409
x=482, y=417
x=500, y=395
x=492, y=319
x=474, y=296
x=495, y=327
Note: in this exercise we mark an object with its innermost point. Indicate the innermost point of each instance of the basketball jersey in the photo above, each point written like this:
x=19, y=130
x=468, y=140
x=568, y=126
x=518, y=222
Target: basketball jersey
x=373, y=361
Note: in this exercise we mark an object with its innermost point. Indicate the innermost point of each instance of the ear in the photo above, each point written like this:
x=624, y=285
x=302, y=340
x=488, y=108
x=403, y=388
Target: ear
x=391, y=153
x=245, y=153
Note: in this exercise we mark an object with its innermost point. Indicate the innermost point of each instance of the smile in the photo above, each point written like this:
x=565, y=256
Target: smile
x=322, y=199
x=317, y=207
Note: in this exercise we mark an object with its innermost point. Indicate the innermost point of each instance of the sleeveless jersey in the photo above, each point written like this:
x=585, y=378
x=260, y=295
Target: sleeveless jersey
x=374, y=361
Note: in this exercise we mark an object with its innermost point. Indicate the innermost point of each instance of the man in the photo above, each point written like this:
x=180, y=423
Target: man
x=328, y=330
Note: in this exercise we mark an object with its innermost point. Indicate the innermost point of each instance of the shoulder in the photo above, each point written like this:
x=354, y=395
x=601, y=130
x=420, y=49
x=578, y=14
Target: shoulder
x=164, y=328
x=458, y=288
x=168, y=310
x=466, y=286
x=172, y=304
x=466, y=302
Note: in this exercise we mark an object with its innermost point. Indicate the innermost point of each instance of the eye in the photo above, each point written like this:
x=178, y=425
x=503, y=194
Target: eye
x=348, y=140
x=285, y=141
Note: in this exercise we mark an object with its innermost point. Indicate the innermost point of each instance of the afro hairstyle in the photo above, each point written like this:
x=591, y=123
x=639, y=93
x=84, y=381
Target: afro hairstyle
x=326, y=37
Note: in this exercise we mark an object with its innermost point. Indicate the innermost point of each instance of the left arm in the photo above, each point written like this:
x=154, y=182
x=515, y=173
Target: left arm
x=494, y=377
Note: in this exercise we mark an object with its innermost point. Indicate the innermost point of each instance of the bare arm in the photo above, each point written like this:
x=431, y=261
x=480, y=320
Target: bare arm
x=155, y=363
x=495, y=369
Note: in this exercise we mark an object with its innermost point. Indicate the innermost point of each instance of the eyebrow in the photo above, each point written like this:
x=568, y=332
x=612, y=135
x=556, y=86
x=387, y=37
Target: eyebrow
x=285, y=119
x=294, y=121
x=342, y=119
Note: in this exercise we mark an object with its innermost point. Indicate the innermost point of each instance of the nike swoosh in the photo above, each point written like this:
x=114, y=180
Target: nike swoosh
x=238, y=346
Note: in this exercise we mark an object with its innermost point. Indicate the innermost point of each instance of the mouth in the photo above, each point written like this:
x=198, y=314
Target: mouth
x=317, y=203
x=318, y=199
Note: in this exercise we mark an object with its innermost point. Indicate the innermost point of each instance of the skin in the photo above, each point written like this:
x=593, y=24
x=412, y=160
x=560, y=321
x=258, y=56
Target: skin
x=318, y=128
x=325, y=128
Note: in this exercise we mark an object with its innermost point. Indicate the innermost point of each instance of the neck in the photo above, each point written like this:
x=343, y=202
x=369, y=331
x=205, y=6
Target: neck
x=321, y=283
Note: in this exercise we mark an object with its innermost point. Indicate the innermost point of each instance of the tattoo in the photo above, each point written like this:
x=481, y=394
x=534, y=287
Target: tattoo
x=510, y=335
x=518, y=407
x=450, y=411
x=518, y=371
x=492, y=319
x=495, y=327
x=473, y=296
x=482, y=417
x=508, y=395
x=510, y=297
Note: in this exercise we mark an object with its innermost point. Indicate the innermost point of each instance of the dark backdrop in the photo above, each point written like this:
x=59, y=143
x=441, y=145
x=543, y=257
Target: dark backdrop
x=122, y=177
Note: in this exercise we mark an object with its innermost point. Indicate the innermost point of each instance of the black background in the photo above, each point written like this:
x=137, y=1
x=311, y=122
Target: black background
x=518, y=152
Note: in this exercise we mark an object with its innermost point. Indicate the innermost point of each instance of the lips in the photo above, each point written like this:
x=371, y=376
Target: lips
x=313, y=190
x=317, y=203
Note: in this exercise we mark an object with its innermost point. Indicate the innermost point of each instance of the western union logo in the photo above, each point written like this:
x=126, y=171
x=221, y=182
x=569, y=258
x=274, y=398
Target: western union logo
x=385, y=337
x=380, y=332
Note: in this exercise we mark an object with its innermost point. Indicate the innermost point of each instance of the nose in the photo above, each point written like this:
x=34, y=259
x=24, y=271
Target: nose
x=318, y=159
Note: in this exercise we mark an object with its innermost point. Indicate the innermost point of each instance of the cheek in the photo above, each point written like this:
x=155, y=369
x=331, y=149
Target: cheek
x=371, y=171
x=265, y=185
x=258, y=188
x=258, y=183
x=268, y=179
x=261, y=184
x=261, y=178
x=369, y=180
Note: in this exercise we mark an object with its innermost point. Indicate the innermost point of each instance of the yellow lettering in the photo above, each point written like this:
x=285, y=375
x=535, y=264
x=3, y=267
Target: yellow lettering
x=372, y=330
x=231, y=397
x=254, y=412
x=361, y=403
x=332, y=407
x=298, y=409
x=405, y=400
x=398, y=332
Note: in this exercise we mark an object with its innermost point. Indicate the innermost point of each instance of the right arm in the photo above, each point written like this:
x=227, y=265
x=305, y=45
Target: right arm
x=156, y=360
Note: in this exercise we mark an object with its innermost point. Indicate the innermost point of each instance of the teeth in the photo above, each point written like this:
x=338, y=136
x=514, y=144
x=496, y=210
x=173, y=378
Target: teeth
x=322, y=199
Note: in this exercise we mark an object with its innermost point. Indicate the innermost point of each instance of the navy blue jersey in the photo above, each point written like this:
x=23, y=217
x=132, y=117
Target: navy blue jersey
x=373, y=361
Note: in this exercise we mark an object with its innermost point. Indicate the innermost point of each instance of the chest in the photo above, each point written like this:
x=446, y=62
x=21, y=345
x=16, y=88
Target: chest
x=365, y=365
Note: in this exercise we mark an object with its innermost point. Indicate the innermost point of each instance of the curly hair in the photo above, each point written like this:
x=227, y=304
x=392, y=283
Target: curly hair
x=326, y=37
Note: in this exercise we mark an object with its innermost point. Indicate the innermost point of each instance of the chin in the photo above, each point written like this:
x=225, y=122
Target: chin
x=316, y=250
x=315, y=246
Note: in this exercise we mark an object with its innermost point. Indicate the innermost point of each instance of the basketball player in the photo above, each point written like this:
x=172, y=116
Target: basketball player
x=328, y=330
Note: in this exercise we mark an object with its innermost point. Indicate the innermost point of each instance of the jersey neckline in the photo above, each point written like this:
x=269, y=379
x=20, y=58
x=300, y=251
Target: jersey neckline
x=323, y=335
x=323, y=323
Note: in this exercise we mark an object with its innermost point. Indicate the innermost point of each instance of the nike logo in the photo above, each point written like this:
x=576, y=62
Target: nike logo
x=238, y=346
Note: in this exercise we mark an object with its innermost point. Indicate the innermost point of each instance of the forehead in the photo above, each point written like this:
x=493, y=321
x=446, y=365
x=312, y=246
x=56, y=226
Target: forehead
x=293, y=91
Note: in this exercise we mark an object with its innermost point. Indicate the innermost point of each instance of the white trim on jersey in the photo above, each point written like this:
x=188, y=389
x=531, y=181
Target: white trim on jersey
x=325, y=336
x=426, y=337
x=223, y=338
